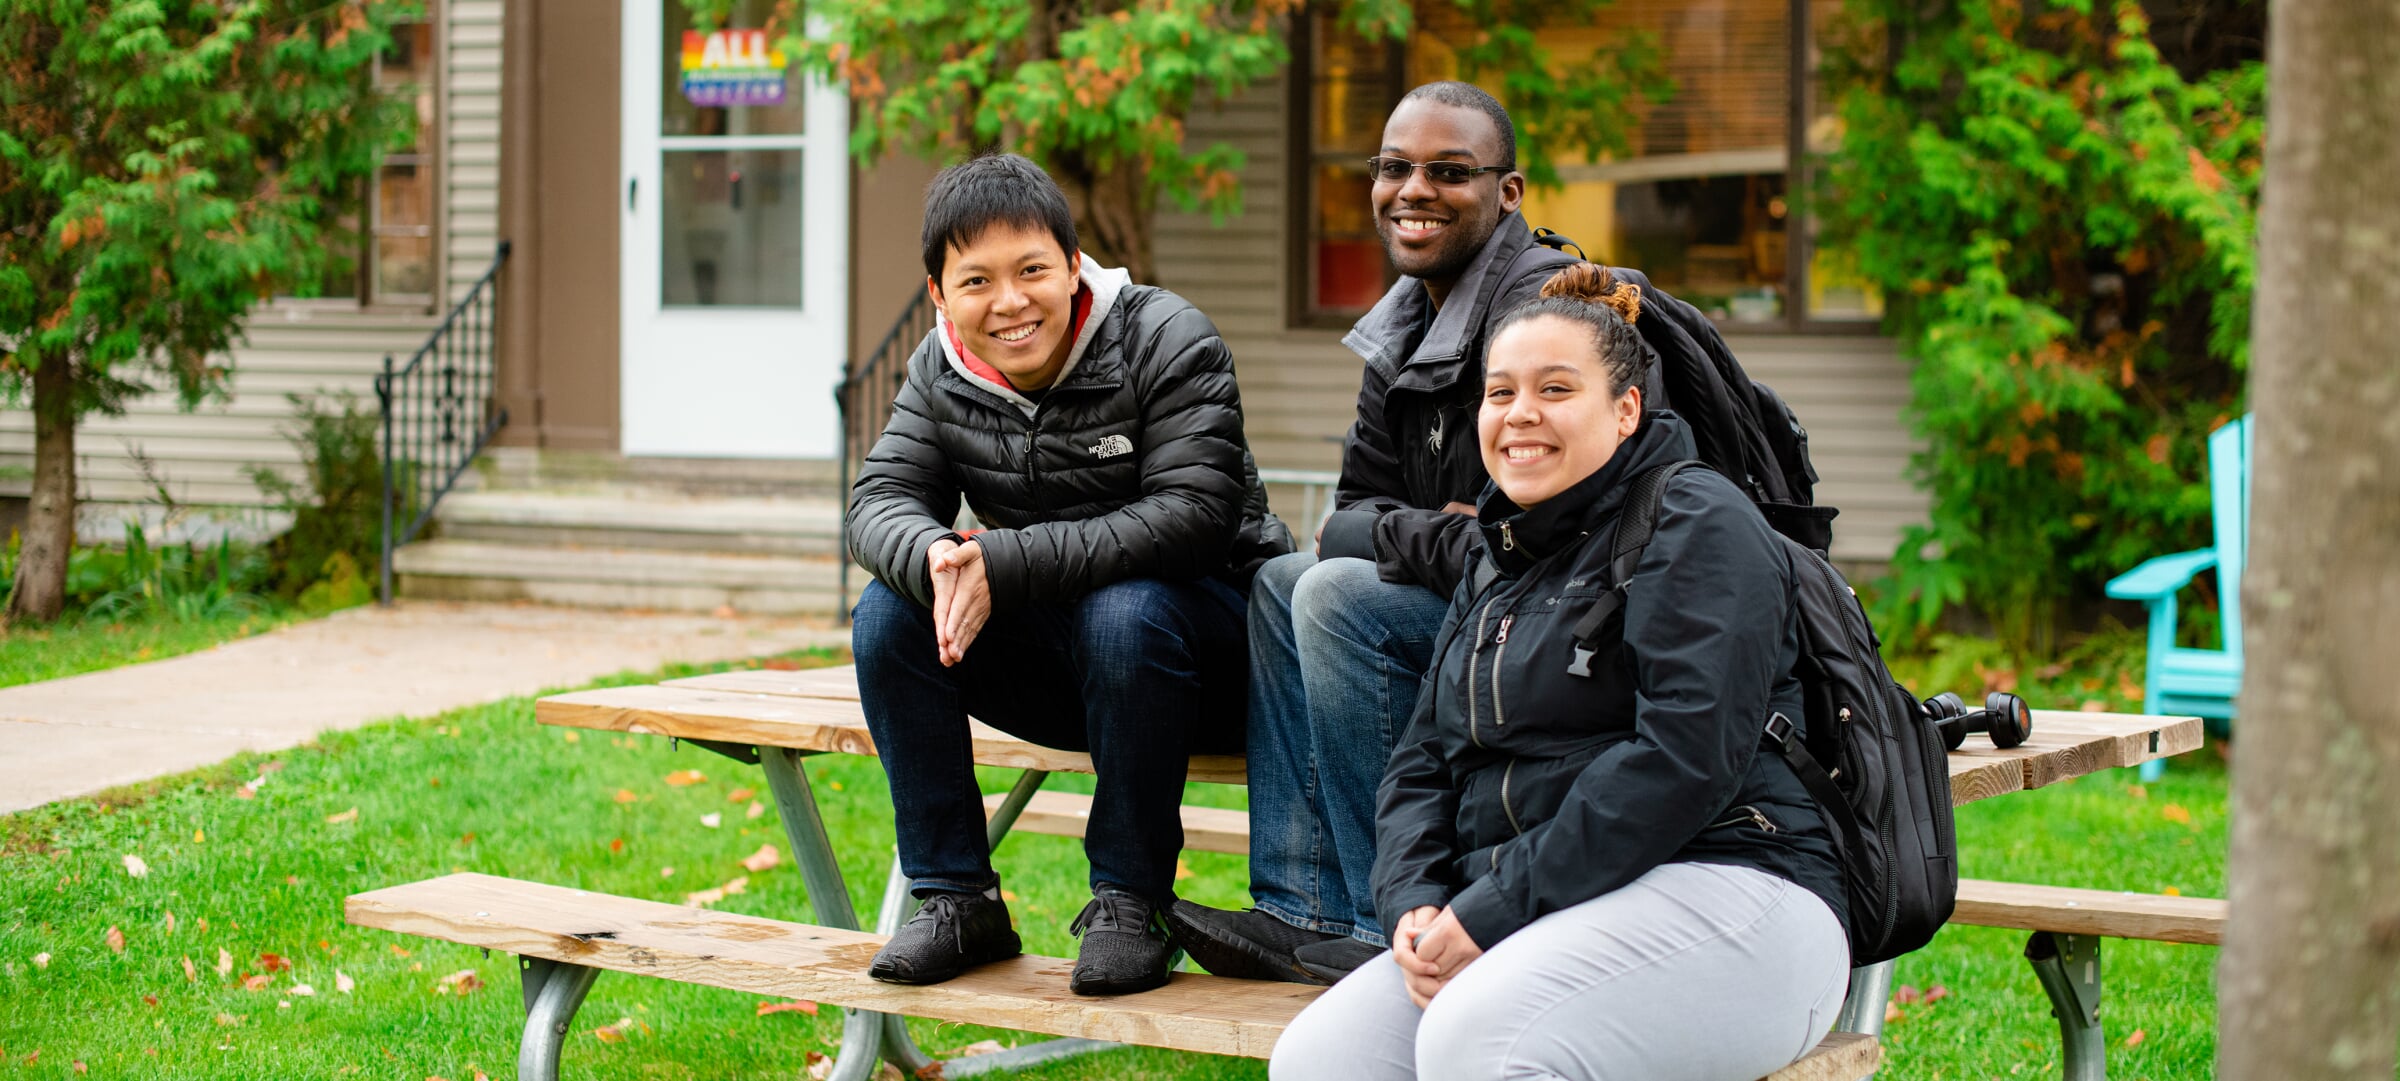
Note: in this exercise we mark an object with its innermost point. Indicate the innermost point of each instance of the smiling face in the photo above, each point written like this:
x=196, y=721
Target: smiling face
x=1011, y=293
x=1432, y=231
x=1549, y=418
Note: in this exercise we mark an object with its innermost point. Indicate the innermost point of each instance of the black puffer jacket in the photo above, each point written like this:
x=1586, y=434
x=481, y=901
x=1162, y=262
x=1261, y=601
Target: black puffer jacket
x=1521, y=789
x=1132, y=465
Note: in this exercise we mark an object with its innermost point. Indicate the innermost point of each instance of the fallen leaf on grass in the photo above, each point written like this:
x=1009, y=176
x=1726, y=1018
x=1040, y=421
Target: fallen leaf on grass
x=765, y=858
x=573, y=736
x=625, y=795
x=272, y=962
x=2134, y=1040
x=265, y=768
x=617, y=845
x=1892, y=1014
x=756, y=809
x=41, y=960
x=80, y=1067
x=135, y=867
x=256, y=983
x=666, y=872
x=116, y=940
x=170, y=921
x=2172, y=891
x=609, y=1034
x=738, y=795
x=337, y=817
x=303, y=989
x=245, y=792
x=463, y=982
x=2093, y=705
x=2175, y=813
x=396, y=950
x=2135, y=791
x=704, y=898
x=979, y=1047
x=712, y=820
x=225, y=961
x=190, y=973
x=343, y=984
x=228, y=1020
x=149, y=1000
x=685, y=777
x=799, y=1006
x=199, y=837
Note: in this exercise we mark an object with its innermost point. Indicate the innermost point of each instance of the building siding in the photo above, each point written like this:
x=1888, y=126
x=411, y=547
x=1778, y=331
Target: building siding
x=202, y=458
x=1300, y=387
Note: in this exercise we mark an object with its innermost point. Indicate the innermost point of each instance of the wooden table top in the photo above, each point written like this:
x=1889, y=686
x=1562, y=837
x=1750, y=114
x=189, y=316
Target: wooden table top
x=817, y=710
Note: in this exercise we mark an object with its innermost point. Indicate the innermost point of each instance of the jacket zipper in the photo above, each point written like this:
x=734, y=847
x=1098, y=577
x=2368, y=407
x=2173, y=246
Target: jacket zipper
x=1500, y=713
x=1030, y=434
x=1750, y=815
x=1511, y=812
x=1474, y=669
x=1508, y=538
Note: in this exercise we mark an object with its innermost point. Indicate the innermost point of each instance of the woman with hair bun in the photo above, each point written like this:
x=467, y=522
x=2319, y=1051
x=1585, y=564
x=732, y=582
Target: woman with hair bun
x=1588, y=869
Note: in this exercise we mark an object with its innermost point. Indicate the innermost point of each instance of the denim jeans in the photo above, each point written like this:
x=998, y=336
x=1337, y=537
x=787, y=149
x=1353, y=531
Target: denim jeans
x=1141, y=673
x=1336, y=658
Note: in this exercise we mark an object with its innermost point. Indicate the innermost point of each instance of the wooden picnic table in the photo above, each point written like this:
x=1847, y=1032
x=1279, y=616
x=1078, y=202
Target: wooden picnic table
x=776, y=717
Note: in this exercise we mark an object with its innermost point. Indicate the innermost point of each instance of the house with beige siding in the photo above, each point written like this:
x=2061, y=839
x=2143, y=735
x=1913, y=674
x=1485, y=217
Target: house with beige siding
x=695, y=261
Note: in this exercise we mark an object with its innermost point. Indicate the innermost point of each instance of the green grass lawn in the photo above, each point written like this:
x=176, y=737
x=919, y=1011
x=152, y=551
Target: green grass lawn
x=73, y=647
x=232, y=880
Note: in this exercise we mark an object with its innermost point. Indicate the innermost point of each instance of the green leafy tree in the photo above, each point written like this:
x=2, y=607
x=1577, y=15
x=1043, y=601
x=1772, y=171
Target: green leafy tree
x=2062, y=214
x=1098, y=90
x=165, y=165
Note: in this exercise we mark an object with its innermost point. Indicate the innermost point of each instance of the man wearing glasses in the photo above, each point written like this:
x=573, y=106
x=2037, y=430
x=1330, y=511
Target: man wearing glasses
x=1339, y=640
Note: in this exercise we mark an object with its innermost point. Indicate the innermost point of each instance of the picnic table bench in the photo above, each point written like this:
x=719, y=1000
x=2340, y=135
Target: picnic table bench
x=565, y=937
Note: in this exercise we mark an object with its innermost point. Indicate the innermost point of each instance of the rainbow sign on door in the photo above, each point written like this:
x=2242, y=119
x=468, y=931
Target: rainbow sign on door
x=731, y=67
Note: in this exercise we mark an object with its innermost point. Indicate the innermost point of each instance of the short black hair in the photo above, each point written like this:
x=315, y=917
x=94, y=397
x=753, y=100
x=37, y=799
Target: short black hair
x=1470, y=96
x=994, y=189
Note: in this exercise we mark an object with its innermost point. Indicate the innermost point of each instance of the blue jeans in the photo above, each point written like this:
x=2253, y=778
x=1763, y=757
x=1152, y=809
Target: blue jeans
x=1142, y=674
x=1336, y=658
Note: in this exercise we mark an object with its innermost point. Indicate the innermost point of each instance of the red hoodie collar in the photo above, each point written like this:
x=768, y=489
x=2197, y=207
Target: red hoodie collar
x=976, y=364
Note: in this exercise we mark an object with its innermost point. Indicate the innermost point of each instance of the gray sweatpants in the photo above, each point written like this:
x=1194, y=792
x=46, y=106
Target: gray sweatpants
x=1694, y=971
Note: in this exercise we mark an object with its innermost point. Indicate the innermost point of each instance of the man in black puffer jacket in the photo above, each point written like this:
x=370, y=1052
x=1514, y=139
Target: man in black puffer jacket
x=1093, y=427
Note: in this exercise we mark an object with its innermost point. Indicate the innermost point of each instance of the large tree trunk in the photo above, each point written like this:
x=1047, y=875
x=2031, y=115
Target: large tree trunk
x=40, y=589
x=2310, y=975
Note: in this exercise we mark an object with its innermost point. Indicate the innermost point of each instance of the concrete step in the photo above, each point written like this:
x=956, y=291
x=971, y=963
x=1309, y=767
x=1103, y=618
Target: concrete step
x=687, y=581
x=640, y=518
x=524, y=468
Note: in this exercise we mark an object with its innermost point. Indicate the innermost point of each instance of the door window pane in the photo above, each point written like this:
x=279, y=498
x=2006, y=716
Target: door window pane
x=732, y=229
x=1352, y=86
x=728, y=80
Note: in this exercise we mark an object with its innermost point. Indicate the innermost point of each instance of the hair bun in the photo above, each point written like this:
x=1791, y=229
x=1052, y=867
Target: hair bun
x=1591, y=283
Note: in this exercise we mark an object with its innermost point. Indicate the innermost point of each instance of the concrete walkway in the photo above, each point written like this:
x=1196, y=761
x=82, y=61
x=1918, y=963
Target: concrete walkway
x=76, y=736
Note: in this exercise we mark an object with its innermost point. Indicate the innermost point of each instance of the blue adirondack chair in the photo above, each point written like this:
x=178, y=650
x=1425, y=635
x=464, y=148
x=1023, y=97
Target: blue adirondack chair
x=2181, y=680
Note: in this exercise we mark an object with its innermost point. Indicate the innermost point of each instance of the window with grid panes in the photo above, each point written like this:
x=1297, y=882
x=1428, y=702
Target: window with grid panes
x=1702, y=202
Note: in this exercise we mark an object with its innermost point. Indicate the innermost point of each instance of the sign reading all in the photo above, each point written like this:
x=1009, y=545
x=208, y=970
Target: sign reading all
x=731, y=67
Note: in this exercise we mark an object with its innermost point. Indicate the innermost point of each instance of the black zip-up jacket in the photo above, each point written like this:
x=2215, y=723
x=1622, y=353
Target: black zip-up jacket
x=1521, y=789
x=1413, y=449
x=1132, y=465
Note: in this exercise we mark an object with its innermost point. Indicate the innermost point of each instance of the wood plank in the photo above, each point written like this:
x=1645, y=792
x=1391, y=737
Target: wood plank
x=1193, y=1012
x=2066, y=910
x=840, y=683
x=1069, y=814
x=808, y=724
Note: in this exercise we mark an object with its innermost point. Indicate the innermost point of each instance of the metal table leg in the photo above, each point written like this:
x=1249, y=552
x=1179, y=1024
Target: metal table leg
x=553, y=992
x=1870, y=993
x=2069, y=968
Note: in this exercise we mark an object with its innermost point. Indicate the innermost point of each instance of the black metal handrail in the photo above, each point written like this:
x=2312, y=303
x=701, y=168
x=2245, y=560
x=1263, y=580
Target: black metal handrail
x=438, y=413
x=864, y=399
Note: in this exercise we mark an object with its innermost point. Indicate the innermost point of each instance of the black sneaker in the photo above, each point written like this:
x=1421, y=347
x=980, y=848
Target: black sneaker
x=1246, y=945
x=952, y=933
x=1330, y=961
x=1125, y=948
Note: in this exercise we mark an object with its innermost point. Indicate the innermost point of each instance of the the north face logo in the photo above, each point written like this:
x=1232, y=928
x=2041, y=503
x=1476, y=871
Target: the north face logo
x=1111, y=446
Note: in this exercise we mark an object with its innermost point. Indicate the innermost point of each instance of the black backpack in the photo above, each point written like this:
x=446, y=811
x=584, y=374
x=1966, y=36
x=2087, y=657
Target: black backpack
x=1870, y=755
x=1744, y=429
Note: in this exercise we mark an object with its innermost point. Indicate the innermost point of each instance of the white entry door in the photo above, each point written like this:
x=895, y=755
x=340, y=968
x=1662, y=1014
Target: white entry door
x=736, y=215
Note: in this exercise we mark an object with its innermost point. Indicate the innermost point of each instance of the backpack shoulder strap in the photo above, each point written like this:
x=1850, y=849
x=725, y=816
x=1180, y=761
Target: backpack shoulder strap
x=1635, y=524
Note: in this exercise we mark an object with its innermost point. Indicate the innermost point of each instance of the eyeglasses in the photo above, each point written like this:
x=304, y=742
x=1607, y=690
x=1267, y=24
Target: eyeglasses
x=1446, y=173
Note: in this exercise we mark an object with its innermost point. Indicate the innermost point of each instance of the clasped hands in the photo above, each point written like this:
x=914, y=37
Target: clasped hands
x=1432, y=949
x=962, y=597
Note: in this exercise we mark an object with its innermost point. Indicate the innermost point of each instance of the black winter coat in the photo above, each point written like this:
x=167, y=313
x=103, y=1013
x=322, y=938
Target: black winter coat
x=1520, y=789
x=1133, y=465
